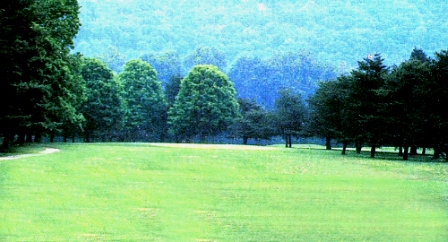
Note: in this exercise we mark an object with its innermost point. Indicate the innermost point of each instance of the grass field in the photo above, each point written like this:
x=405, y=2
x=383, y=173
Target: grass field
x=143, y=192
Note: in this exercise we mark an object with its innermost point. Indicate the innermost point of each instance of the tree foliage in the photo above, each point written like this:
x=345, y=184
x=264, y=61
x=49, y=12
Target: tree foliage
x=36, y=37
x=104, y=108
x=255, y=122
x=146, y=104
x=290, y=113
x=206, y=104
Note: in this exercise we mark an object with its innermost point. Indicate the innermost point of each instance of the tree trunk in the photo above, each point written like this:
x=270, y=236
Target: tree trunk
x=358, y=146
x=29, y=137
x=38, y=137
x=436, y=153
x=405, y=152
x=51, y=136
x=288, y=140
x=424, y=151
x=6, y=140
x=245, y=139
x=21, y=138
x=413, y=150
x=400, y=151
x=372, y=152
x=87, y=136
x=344, y=146
x=327, y=143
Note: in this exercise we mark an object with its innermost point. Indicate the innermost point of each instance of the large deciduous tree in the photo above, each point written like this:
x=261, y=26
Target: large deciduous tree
x=146, y=103
x=104, y=109
x=206, y=104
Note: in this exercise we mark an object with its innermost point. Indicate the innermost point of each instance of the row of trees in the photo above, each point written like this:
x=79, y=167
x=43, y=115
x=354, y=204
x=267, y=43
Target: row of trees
x=45, y=90
x=133, y=106
x=253, y=77
x=401, y=106
x=38, y=89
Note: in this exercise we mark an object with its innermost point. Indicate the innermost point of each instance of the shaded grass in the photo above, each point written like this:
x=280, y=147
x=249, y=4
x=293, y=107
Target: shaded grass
x=14, y=150
x=140, y=192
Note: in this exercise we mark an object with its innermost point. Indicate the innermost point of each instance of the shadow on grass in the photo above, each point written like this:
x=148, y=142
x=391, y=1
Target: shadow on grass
x=386, y=153
x=13, y=150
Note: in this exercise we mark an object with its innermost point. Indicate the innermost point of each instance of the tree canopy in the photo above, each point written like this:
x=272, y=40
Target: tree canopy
x=206, y=104
x=36, y=90
x=146, y=104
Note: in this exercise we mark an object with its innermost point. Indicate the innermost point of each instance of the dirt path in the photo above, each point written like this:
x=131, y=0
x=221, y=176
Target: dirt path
x=46, y=151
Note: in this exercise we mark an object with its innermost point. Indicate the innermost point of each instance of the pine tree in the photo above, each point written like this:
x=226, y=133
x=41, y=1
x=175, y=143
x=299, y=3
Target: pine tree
x=368, y=79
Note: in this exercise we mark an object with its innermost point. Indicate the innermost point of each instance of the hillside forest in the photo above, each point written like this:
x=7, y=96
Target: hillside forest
x=360, y=73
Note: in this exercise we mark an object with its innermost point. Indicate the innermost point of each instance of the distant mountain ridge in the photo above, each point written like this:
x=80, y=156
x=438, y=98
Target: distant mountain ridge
x=337, y=33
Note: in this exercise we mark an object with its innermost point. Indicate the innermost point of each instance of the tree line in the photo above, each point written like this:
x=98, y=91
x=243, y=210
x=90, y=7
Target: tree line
x=48, y=91
x=401, y=106
x=133, y=106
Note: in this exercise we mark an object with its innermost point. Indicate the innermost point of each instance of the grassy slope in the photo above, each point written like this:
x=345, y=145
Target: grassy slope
x=138, y=192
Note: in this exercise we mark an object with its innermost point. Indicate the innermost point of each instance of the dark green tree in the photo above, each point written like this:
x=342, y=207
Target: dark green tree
x=405, y=97
x=146, y=104
x=325, y=112
x=291, y=114
x=368, y=79
x=77, y=85
x=255, y=123
x=205, y=106
x=104, y=109
x=172, y=88
x=36, y=38
x=436, y=101
x=419, y=54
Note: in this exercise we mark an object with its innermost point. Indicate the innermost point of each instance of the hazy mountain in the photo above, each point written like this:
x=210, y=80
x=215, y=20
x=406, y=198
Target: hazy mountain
x=337, y=33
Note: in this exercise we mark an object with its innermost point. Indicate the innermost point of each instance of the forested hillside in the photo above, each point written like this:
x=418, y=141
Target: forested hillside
x=335, y=33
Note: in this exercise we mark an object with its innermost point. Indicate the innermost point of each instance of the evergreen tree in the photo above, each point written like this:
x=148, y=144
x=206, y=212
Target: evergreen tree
x=406, y=98
x=36, y=37
x=206, y=104
x=325, y=117
x=146, y=104
x=436, y=101
x=368, y=79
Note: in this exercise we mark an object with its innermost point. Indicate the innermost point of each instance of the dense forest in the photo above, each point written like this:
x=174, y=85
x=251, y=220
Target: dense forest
x=357, y=72
x=335, y=33
x=264, y=46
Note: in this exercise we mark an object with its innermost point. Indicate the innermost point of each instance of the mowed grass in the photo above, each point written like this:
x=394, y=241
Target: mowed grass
x=144, y=192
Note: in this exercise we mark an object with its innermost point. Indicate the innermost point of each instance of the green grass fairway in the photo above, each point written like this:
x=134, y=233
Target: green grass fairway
x=144, y=192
